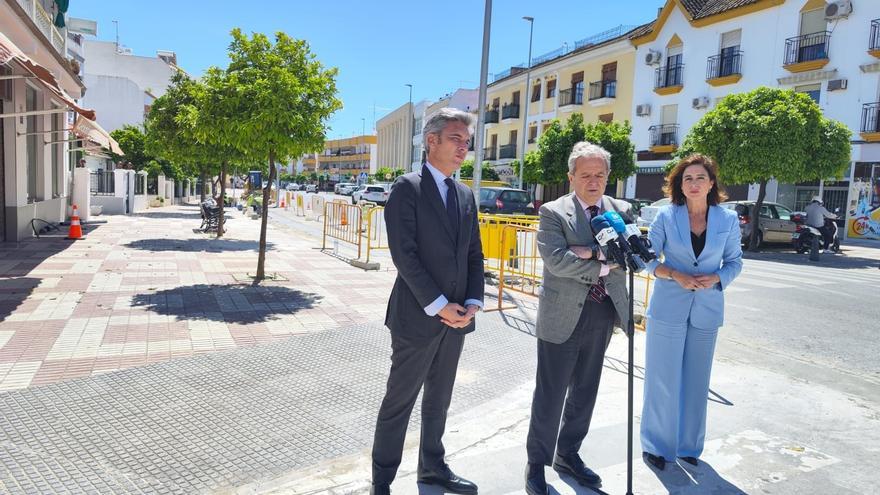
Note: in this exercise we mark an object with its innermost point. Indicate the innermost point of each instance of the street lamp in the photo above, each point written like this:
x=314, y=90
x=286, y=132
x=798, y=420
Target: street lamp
x=409, y=139
x=528, y=94
x=363, y=126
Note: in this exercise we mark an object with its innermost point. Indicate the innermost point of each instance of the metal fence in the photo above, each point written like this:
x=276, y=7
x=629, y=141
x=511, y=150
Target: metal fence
x=102, y=183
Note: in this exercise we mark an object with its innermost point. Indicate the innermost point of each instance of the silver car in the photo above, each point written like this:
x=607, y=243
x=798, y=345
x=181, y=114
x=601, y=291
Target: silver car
x=775, y=226
x=649, y=212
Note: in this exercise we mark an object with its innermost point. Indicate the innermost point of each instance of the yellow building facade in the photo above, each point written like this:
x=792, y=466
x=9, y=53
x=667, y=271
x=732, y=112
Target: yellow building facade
x=593, y=79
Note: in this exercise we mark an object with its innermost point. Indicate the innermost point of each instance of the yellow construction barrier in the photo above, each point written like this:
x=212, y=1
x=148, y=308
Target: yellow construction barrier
x=491, y=227
x=520, y=266
x=300, y=210
x=337, y=225
x=375, y=235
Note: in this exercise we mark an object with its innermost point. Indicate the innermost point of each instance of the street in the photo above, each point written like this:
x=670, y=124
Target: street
x=275, y=390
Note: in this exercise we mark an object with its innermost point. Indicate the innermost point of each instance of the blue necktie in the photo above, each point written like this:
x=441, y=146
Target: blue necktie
x=452, y=204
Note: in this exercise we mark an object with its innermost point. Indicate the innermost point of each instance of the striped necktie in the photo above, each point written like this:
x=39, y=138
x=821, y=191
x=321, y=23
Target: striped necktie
x=597, y=291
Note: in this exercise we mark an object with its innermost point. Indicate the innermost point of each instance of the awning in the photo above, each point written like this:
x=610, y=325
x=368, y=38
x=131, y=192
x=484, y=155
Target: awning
x=9, y=52
x=89, y=130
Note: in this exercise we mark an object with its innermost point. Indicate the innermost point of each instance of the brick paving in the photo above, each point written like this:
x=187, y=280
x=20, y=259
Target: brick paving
x=147, y=288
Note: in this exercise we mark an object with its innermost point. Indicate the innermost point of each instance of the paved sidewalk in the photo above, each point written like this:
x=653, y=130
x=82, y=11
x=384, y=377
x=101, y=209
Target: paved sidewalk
x=147, y=288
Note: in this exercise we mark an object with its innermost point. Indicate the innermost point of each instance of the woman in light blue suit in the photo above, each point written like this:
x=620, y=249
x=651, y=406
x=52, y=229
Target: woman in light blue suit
x=700, y=245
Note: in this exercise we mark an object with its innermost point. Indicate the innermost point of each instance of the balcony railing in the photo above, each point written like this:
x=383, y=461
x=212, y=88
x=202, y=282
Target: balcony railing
x=44, y=23
x=489, y=154
x=603, y=89
x=491, y=116
x=572, y=96
x=874, y=40
x=507, y=151
x=807, y=48
x=871, y=117
x=510, y=111
x=102, y=183
x=668, y=76
x=724, y=64
x=664, y=135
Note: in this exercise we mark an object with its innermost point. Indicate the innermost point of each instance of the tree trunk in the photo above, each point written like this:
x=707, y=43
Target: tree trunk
x=756, y=217
x=222, y=203
x=203, y=177
x=267, y=191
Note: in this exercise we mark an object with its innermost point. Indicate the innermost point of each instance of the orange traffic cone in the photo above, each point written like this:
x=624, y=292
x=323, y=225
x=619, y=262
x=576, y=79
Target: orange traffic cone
x=75, y=231
x=344, y=215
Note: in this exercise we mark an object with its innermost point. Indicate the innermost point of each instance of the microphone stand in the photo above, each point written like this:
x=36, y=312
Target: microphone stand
x=630, y=333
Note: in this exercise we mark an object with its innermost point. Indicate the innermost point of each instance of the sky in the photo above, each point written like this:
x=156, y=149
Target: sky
x=378, y=46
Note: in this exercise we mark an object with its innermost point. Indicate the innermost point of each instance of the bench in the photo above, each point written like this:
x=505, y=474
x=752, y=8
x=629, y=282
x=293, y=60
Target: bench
x=210, y=216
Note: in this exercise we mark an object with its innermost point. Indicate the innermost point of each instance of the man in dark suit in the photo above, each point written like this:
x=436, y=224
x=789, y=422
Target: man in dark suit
x=434, y=240
x=582, y=298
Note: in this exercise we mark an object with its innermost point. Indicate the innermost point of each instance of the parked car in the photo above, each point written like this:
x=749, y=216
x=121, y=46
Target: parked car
x=311, y=188
x=293, y=186
x=637, y=205
x=342, y=186
x=347, y=189
x=775, y=226
x=505, y=200
x=648, y=213
x=374, y=193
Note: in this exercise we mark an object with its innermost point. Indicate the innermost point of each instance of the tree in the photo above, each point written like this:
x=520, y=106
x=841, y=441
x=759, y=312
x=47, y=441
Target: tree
x=382, y=173
x=769, y=134
x=272, y=102
x=132, y=141
x=487, y=172
x=548, y=164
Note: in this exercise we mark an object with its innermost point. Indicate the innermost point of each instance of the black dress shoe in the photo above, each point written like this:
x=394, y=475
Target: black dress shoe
x=693, y=461
x=573, y=466
x=535, y=482
x=449, y=481
x=655, y=460
x=380, y=489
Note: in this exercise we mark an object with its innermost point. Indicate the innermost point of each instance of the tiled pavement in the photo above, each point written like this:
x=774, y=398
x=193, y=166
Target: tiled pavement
x=147, y=288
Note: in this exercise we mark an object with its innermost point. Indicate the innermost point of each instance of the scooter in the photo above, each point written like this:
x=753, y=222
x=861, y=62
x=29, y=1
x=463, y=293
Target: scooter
x=802, y=238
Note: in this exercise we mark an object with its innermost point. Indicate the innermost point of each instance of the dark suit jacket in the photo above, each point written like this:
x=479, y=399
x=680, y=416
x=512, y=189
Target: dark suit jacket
x=430, y=261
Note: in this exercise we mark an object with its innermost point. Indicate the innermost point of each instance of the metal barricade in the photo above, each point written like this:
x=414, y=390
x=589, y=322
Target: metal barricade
x=520, y=266
x=376, y=236
x=491, y=228
x=317, y=207
x=300, y=209
x=342, y=222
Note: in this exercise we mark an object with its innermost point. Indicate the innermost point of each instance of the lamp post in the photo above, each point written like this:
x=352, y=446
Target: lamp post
x=409, y=138
x=528, y=95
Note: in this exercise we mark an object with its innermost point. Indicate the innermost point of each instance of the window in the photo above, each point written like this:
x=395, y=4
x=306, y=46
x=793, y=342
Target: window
x=533, y=134
x=515, y=98
x=813, y=21
x=496, y=103
x=487, y=194
x=515, y=196
x=609, y=72
x=811, y=90
x=606, y=117
x=577, y=77
x=536, y=92
x=31, y=149
x=783, y=212
x=551, y=88
x=512, y=137
x=766, y=212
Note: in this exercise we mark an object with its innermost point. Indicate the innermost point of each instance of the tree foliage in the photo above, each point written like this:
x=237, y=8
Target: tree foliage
x=132, y=141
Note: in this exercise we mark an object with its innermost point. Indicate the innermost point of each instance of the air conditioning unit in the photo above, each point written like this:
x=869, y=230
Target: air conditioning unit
x=653, y=57
x=701, y=102
x=838, y=9
x=643, y=110
x=836, y=84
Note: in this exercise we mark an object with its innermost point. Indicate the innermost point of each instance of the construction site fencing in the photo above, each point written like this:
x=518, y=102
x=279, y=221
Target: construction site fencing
x=342, y=222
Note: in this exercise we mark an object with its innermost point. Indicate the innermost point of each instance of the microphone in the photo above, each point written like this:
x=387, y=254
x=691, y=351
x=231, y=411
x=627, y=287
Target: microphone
x=633, y=236
x=636, y=264
x=607, y=239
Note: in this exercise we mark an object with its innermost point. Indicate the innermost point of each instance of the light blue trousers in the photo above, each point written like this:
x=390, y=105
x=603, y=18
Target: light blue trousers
x=678, y=362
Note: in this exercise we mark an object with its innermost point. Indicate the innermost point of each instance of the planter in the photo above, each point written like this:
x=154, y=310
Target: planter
x=156, y=203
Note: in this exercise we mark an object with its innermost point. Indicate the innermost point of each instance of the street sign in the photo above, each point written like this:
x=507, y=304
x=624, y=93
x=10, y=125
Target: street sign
x=256, y=179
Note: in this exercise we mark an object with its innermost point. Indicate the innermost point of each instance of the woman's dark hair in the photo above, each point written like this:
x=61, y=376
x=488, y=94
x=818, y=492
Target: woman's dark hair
x=672, y=187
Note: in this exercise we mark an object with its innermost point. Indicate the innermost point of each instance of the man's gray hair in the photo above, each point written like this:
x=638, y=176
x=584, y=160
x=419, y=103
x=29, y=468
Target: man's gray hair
x=438, y=121
x=586, y=149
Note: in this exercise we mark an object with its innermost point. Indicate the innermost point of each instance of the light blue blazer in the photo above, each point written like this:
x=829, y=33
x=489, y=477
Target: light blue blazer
x=670, y=235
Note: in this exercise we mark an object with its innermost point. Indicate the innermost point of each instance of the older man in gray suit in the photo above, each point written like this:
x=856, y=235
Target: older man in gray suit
x=582, y=299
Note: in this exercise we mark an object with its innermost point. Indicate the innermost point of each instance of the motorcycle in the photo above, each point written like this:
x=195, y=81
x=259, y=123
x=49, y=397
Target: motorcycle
x=802, y=238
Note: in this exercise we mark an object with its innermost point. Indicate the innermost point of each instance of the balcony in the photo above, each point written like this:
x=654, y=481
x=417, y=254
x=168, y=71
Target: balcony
x=491, y=116
x=807, y=52
x=572, y=96
x=874, y=40
x=664, y=138
x=724, y=68
x=489, y=154
x=45, y=24
x=510, y=111
x=603, y=89
x=870, y=130
x=507, y=151
x=668, y=79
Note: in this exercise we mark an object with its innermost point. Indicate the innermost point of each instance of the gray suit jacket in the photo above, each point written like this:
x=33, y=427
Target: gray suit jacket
x=567, y=278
